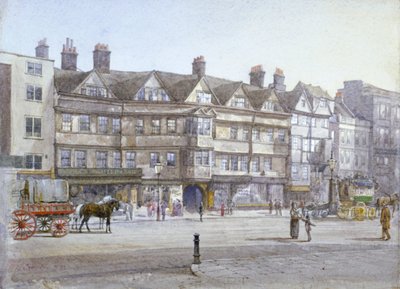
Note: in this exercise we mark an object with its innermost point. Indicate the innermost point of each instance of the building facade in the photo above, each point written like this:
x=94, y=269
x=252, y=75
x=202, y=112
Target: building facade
x=311, y=109
x=26, y=114
x=382, y=109
x=217, y=140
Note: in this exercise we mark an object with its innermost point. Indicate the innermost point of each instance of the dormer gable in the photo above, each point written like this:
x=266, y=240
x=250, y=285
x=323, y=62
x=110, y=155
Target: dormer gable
x=303, y=104
x=204, y=112
x=94, y=85
x=152, y=90
x=202, y=94
x=239, y=99
x=271, y=104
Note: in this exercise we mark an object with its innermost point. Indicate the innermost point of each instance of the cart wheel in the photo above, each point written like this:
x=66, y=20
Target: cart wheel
x=342, y=213
x=371, y=213
x=59, y=227
x=324, y=213
x=314, y=213
x=44, y=224
x=22, y=225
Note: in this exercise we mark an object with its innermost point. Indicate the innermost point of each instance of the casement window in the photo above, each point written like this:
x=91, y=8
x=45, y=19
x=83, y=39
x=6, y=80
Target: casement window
x=243, y=163
x=33, y=92
x=203, y=97
x=80, y=159
x=84, y=123
x=116, y=125
x=93, y=91
x=295, y=172
x=65, y=158
x=267, y=164
x=256, y=134
x=202, y=158
x=239, y=101
x=33, y=127
x=154, y=159
x=255, y=164
x=34, y=68
x=306, y=145
x=66, y=122
x=234, y=163
x=164, y=95
x=153, y=94
x=198, y=126
x=101, y=159
x=281, y=135
x=139, y=126
x=269, y=105
x=102, y=124
x=234, y=132
x=270, y=135
x=130, y=160
x=155, y=126
x=33, y=161
x=305, y=173
x=171, y=125
x=245, y=135
x=313, y=122
x=224, y=163
x=140, y=95
x=116, y=159
x=296, y=143
x=294, y=119
x=171, y=159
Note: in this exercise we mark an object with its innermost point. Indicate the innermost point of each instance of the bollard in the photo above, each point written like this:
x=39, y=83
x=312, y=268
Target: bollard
x=196, y=255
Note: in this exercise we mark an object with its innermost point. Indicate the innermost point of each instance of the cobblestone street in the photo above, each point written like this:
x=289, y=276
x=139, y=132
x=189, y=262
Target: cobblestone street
x=246, y=250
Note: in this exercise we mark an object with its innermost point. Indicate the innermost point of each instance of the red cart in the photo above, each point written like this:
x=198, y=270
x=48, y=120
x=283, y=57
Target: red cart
x=39, y=216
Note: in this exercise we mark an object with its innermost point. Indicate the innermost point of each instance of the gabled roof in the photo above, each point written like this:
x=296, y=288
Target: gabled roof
x=125, y=85
x=257, y=96
x=68, y=80
x=178, y=86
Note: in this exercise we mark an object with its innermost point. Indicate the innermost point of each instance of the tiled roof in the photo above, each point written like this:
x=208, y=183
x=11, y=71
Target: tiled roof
x=68, y=80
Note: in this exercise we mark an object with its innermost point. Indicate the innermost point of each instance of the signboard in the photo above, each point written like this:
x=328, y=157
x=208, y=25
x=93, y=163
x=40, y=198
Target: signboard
x=112, y=172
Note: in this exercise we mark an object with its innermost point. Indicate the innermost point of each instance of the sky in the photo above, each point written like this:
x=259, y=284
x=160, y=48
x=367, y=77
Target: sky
x=321, y=42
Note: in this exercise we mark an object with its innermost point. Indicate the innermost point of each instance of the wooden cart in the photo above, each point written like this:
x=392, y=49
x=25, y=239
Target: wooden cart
x=30, y=218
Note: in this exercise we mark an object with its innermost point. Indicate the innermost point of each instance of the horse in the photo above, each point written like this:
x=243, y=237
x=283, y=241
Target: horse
x=126, y=208
x=76, y=216
x=102, y=211
x=392, y=200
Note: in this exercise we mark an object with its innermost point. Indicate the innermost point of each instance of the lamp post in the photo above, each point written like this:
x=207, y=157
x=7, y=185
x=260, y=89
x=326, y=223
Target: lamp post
x=332, y=165
x=158, y=167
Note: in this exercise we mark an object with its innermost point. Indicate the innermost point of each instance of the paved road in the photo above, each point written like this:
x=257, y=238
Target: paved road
x=237, y=252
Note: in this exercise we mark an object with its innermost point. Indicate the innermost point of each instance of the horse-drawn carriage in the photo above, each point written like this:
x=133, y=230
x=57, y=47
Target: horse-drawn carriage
x=43, y=206
x=317, y=210
x=356, y=195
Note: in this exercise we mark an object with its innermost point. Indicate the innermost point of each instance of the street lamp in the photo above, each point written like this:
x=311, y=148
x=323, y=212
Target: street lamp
x=332, y=165
x=158, y=167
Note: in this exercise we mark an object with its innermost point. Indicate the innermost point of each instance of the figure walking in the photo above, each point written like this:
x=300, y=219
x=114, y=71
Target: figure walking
x=163, y=209
x=308, y=225
x=385, y=222
x=201, y=212
x=295, y=216
x=271, y=205
x=222, y=209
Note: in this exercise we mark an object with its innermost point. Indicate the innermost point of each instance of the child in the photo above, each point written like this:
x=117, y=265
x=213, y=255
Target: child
x=308, y=225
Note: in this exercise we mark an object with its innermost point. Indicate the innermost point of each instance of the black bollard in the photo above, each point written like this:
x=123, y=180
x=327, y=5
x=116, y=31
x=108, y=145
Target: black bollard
x=196, y=255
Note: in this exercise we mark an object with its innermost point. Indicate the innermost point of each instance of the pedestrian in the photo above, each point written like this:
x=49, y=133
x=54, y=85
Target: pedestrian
x=280, y=207
x=385, y=222
x=276, y=205
x=295, y=216
x=222, y=209
x=201, y=211
x=163, y=209
x=308, y=225
x=301, y=206
x=230, y=207
x=271, y=205
x=179, y=210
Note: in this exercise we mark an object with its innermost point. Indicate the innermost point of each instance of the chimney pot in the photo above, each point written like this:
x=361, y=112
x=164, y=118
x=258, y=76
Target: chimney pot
x=199, y=66
x=257, y=76
x=69, y=56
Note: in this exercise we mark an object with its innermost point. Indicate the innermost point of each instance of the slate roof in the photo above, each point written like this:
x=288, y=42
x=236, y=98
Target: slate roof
x=125, y=84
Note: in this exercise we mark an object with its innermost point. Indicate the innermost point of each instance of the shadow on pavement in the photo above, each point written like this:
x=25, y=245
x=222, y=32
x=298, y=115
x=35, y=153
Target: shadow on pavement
x=366, y=239
x=277, y=239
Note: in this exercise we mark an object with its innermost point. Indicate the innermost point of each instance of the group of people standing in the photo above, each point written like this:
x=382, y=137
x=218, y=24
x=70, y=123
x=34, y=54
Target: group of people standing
x=295, y=217
x=277, y=205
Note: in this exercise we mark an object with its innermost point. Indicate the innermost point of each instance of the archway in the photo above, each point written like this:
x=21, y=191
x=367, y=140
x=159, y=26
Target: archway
x=192, y=197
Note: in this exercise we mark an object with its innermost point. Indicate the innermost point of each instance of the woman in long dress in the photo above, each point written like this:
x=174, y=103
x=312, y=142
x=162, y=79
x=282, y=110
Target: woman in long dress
x=295, y=216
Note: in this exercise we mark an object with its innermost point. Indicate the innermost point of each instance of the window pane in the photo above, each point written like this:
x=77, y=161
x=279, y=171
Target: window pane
x=65, y=158
x=171, y=159
x=38, y=162
x=84, y=123
x=103, y=124
x=116, y=125
x=38, y=69
x=29, y=161
x=29, y=126
x=130, y=160
x=31, y=68
x=117, y=160
x=80, y=159
x=30, y=92
x=38, y=93
x=37, y=129
x=139, y=126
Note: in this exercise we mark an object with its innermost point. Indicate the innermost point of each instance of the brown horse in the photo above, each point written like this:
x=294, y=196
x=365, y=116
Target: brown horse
x=101, y=211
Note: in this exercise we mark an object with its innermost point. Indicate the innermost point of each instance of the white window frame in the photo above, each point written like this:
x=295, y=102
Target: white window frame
x=35, y=130
x=171, y=159
x=130, y=159
x=34, y=68
x=65, y=158
x=34, y=93
x=102, y=159
x=80, y=159
x=37, y=161
x=84, y=126
x=66, y=124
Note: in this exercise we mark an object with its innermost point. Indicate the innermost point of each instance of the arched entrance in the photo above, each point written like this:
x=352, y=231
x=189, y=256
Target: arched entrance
x=192, y=197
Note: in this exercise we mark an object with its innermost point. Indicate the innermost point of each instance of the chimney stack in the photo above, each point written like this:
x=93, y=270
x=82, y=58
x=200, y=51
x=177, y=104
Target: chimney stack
x=257, y=76
x=69, y=56
x=101, y=58
x=42, y=50
x=199, y=66
x=279, y=80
